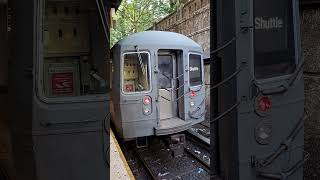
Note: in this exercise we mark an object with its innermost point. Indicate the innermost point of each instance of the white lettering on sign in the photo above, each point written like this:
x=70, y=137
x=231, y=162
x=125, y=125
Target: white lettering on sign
x=268, y=23
x=194, y=69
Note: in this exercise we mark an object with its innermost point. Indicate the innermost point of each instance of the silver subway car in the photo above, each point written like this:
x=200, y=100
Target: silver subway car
x=158, y=84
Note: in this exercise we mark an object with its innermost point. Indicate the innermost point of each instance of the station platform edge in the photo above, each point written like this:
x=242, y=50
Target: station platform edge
x=119, y=168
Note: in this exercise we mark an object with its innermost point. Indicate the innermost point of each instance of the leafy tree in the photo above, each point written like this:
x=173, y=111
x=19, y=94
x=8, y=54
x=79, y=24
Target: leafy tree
x=138, y=15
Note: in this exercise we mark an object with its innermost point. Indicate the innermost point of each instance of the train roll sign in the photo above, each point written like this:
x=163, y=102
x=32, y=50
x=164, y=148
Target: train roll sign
x=268, y=23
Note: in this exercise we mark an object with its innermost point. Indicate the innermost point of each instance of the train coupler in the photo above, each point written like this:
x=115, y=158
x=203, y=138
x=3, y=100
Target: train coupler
x=177, y=144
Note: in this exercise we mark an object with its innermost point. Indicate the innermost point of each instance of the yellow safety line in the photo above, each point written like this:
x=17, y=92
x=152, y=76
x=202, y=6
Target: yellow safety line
x=122, y=156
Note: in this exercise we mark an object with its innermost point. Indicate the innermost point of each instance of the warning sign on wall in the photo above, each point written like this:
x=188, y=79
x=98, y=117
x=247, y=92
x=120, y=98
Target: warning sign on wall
x=62, y=83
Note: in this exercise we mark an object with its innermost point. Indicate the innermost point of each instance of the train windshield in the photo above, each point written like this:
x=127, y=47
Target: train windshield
x=195, y=71
x=274, y=38
x=136, y=77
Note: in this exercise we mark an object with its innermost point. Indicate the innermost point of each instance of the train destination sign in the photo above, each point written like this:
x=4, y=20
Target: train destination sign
x=262, y=23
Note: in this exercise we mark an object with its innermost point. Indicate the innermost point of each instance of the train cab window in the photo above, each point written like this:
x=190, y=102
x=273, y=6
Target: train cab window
x=74, y=60
x=165, y=65
x=136, y=76
x=195, y=70
x=274, y=39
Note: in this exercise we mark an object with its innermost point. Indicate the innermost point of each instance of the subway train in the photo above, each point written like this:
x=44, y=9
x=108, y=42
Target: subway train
x=157, y=84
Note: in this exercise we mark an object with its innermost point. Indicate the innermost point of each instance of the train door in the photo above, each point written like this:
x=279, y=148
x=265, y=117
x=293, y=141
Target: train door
x=167, y=63
x=57, y=84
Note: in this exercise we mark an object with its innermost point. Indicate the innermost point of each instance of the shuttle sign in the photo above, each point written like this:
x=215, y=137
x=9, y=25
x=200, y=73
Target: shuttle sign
x=263, y=23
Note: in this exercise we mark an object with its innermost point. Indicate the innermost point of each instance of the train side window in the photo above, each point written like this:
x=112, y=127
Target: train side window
x=136, y=74
x=195, y=70
x=274, y=39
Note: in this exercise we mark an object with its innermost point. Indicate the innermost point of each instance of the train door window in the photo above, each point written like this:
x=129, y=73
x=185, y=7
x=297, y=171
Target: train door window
x=74, y=59
x=274, y=38
x=195, y=70
x=165, y=65
x=135, y=72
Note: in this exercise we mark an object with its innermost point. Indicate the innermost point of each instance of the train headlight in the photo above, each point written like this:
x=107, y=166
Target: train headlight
x=264, y=103
x=147, y=105
x=193, y=94
x=146, y=100
x=192, y=103
x=146, y=110
x=263, y=132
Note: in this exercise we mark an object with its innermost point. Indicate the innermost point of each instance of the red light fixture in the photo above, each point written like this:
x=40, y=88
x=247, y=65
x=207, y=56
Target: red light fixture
x=193, y=94
x=146, y=100
x=264, y=104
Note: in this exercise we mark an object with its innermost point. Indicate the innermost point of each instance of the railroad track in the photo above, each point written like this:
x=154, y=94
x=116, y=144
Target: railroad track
x=199, y=159
x=202, y=142
x=145, y=165
x=196, y=136
x=196, y=163
x=204, y=125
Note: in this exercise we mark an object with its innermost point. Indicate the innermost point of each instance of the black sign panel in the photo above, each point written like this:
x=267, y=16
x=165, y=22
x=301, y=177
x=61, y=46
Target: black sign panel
x=274, y=38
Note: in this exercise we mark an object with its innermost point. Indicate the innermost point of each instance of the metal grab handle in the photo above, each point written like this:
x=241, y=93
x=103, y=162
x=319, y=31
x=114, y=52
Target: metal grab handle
x=165, y=76
x=178, y=76
x=225, y=80
x=226, y=112
x=198, y=107
x=286, y=174
x=284, y=145
x=223, y=46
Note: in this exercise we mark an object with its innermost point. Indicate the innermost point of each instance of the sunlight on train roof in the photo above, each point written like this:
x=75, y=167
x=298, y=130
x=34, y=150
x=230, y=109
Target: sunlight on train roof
x=161, y=39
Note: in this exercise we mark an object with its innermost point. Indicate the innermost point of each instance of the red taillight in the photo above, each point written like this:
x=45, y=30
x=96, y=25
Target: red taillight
x=264, y=104
x=193, y=94
x=146, y=100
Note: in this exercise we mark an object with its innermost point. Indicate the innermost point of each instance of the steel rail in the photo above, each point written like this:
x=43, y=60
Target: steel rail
x=199, y=159
x=146, y=167
x=199, y=136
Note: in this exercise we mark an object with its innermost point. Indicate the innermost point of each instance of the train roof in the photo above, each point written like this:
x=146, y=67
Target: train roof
x=159, y=39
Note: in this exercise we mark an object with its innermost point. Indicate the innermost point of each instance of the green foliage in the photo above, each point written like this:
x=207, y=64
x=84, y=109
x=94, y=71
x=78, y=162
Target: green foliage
x=138, y=15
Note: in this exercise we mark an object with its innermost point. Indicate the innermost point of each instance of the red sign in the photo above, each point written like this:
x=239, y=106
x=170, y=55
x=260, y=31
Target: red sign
x=129, y=87
x=62, y=83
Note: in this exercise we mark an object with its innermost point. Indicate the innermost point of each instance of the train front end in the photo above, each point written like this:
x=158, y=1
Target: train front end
x=261, y=135
x=158, y=84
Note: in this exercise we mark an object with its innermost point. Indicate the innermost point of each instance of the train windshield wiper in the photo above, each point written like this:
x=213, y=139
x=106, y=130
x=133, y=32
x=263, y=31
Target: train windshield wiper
x=140, y=60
